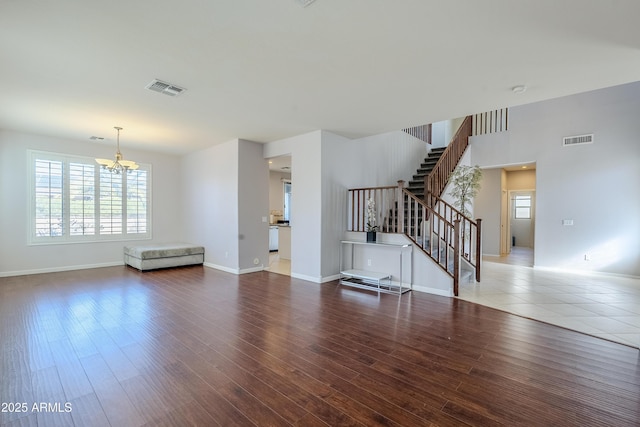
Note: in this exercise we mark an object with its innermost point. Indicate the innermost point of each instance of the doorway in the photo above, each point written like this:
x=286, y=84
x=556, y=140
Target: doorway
x=522, y=218
x=517, y=213
x=280, y=215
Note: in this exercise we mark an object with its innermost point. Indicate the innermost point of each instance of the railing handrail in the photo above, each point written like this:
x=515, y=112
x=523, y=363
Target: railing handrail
x=437, y=179
x=373, y=188
x=433, y=200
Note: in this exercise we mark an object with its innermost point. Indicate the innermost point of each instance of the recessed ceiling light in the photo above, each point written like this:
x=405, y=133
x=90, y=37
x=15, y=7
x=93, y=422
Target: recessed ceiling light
x=519, y=89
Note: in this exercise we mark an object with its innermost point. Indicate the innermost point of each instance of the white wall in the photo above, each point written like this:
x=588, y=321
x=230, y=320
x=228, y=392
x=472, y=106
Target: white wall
x=17, y=257
x=487, y=206
x=320, y=200
x=521, y=180
x=253, y=203
x=374, y=161
x=225, y=197
x=210, y=201
x=306, y=226
x=596, y=185
x=442, y=132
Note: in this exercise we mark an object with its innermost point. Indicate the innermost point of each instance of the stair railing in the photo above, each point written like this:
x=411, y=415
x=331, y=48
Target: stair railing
x=436, y=227
x=437, y=180
x=385, y=199
x=470, y=230
x=432, y=233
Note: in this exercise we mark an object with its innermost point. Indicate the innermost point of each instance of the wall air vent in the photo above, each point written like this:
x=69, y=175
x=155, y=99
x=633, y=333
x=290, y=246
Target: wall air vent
x=96, y=138
x=577, y=140
x=164, y=87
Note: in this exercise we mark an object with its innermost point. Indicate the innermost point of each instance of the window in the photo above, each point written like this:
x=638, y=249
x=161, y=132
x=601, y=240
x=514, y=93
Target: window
x=522, y=207
x=73, y=199
x=287, y=200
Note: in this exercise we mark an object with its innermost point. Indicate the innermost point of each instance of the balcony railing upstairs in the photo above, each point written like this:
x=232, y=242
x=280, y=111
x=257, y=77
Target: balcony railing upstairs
x=491, y=122
x=437, y=228
x=422, y=132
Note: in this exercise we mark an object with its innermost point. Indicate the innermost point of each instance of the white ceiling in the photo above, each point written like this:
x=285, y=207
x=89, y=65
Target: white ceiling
x=267, y=69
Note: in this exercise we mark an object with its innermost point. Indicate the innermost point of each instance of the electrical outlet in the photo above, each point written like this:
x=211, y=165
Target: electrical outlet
x=587, y=257
x=369, y=262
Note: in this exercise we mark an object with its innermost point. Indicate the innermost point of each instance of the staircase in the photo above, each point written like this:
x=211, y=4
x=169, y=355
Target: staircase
x=437, y=228
x=416, y=185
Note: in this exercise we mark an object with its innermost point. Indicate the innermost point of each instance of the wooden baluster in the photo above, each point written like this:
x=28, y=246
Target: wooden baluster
x=478, y=247
x=400, y=223
x=456, y=256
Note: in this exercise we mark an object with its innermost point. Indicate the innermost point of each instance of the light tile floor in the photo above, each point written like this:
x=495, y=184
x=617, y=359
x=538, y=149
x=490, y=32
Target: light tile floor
x=600, y=305
x=279, y=265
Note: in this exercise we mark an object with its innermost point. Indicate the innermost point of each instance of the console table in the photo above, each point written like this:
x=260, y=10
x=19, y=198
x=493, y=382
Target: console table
x=375, y=280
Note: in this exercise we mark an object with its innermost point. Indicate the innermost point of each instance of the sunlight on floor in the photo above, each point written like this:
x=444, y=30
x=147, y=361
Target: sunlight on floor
x=599, y=305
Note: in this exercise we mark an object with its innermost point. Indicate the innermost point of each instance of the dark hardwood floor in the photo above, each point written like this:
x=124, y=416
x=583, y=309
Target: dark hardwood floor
x=196, y=346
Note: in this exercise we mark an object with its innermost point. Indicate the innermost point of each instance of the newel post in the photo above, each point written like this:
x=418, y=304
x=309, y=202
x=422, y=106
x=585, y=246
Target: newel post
x=400, y=203
x=456, y=256
x=478, y=248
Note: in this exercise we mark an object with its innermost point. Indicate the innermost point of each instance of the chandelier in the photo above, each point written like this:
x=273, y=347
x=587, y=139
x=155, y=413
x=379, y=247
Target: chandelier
x=119, y=165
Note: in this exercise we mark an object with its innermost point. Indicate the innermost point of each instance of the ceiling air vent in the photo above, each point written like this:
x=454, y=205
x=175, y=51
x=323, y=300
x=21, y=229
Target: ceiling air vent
x=164, y=87
x=577, y=140
x=305, y=3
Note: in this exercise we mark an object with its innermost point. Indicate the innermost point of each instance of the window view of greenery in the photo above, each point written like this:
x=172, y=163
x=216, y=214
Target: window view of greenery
x=78, y=200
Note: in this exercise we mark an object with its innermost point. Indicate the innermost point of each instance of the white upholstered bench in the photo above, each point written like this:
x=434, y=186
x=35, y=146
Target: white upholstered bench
x=163, y=255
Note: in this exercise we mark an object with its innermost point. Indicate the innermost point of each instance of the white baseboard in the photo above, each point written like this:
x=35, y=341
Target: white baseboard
x=434, y=291
x=585, y=272
x=234, y=270
x=222, y=268
x=252, y=269
x=59, y=269
x=330, y=278
x=307, y=278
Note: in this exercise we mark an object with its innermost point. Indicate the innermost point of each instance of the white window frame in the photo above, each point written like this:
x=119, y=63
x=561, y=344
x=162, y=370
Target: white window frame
x=66, y=237
x=518, y=211
x=286, y=199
